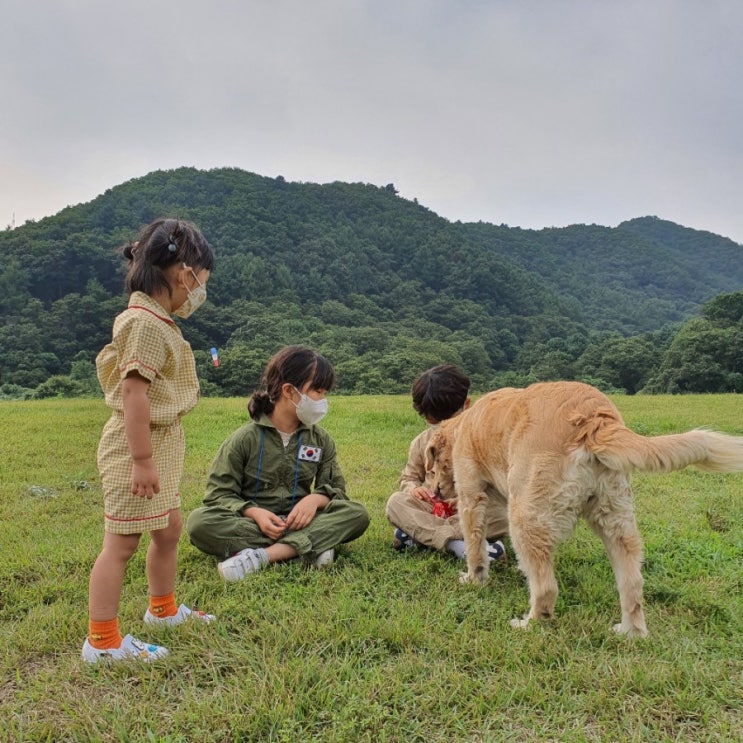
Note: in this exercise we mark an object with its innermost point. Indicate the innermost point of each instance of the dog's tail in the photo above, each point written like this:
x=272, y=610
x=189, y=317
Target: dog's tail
x=616, y=446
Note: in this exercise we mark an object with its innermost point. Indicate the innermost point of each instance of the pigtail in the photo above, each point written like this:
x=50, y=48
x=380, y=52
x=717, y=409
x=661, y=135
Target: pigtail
x=260, y=403
x=129, y=250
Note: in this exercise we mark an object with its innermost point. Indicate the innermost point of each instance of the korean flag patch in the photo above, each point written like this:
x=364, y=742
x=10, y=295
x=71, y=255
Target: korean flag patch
x=310, y=453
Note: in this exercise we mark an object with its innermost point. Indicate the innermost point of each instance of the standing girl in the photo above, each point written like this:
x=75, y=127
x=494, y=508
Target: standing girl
x=275, y=490
x=148, y=376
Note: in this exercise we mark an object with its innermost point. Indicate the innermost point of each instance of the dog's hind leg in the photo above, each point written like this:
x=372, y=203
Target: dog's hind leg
x=534, y=549
x=542, y=510
x=614, y=522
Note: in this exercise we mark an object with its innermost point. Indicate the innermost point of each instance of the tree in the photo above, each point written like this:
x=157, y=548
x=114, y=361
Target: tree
x=627, y=363
x=706, y=354
x=725, y=309
x=14, y=281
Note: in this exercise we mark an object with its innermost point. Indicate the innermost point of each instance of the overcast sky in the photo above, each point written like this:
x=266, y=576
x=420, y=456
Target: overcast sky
x=532, y=113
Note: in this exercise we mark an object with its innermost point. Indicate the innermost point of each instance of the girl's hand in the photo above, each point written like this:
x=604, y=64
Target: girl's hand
x=304, y=511
x=270, y=524
x=145, y=480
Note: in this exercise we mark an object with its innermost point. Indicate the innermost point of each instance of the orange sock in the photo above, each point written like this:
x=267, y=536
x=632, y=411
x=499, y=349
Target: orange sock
x=104, y=635
x=163, y=606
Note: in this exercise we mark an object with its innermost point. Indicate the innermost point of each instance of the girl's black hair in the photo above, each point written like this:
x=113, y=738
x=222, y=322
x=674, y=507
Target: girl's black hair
x=295, y=365
x=161, y=244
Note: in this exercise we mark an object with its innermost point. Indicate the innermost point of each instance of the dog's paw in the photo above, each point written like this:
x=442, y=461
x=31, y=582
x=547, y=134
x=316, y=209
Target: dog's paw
x=632, y=632
x=479, y=578
x=519, y=623
x=479, y=573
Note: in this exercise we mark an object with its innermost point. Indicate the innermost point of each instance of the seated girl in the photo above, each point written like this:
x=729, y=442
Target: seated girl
x=275, y=490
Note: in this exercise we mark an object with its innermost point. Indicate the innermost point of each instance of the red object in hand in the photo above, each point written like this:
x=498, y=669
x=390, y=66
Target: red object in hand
x=442, y=510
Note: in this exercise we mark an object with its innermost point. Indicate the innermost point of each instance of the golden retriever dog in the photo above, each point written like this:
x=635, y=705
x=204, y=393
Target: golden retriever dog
x=557, y=451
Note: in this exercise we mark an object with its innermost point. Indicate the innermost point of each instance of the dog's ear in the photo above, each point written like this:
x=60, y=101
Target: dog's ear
x=430, y=457
x=430, y=479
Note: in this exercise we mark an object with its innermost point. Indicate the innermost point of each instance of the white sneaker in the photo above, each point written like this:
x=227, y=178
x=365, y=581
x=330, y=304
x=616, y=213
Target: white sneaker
x=239, y=565
x=130, y=649
x=325, y=558
x=183, y=614
x=496, y=551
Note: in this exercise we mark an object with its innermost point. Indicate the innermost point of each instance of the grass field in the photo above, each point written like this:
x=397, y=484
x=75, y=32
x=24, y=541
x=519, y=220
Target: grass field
x=382, y=646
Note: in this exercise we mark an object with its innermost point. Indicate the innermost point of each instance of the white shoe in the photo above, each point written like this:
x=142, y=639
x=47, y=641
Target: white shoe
x=325, y=558
x=239, y=565
x=496, y=551
x=130, y=649
x=183, y=614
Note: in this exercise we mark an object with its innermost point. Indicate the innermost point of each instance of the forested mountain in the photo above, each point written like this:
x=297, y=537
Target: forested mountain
x=638, y=277
x=381, y=285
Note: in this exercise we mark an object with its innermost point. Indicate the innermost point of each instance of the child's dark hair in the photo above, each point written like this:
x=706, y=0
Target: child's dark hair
x=295, y=365
x=438, y=393
x=161, y=244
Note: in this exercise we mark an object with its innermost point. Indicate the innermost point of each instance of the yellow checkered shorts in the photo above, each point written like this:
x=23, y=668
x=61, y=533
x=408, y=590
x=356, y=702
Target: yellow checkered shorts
x=125, y=513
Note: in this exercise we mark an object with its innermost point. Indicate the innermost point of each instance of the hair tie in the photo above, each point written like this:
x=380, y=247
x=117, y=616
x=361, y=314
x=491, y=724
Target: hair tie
x=171, y=246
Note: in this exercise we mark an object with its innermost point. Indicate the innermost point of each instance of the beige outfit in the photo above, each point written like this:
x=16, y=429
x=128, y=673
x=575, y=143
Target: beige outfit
x=147, y=341
x=414, y=516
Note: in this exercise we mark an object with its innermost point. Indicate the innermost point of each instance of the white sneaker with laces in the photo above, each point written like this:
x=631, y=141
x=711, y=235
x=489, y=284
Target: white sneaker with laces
x=130, y=649
x=325, y=558
x=183, y=614
x=239, y=565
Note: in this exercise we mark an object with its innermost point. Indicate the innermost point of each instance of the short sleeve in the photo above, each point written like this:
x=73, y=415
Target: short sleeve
x=141, y=347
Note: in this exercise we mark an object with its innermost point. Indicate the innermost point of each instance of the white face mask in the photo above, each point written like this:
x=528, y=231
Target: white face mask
x=310, y=411
x=196, y=297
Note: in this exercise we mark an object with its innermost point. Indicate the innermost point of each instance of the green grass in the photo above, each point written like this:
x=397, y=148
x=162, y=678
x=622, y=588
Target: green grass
x=381, y=647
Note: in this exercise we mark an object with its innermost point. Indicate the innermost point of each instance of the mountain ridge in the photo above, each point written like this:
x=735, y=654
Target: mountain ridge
x=311, y=260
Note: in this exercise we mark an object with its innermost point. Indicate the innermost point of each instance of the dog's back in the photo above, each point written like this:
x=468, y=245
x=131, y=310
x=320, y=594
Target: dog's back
x=543, y=420
x=556, y=418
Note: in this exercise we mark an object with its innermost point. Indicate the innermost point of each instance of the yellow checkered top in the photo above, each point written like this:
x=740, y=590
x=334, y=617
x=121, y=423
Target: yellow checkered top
x=145, y=339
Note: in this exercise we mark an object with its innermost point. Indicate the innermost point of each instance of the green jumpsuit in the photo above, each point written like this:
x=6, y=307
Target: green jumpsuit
x=254, y=468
